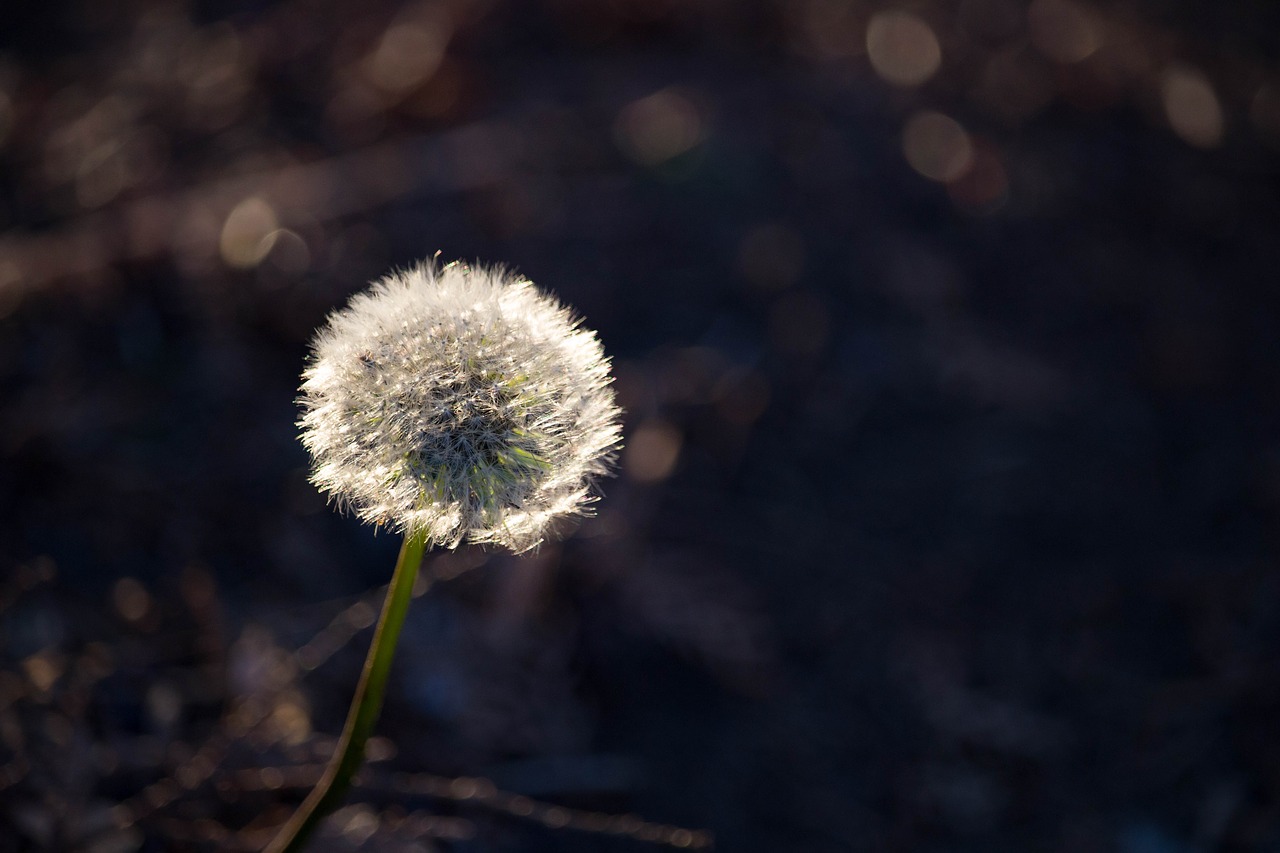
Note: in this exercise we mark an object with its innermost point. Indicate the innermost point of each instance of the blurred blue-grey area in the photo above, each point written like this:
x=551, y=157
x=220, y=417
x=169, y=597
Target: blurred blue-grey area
x=948, y=333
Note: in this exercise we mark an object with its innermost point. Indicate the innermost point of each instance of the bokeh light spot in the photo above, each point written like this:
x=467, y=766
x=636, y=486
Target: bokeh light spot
x=248, y=234
x=408, y=54
x=164, y=704
x=831, y=29
x=984, y=186
x=358, y=824
x=288, y=252
x=652, y=452
x=101, y=175
x=43, y=669
x=1063, y=31
x=1264, y=112
x=656, y=128
x=463, y=788
x=937, y=146
x=131, y=599
x=902, y=48
x=291, y=721
x=1192, y=106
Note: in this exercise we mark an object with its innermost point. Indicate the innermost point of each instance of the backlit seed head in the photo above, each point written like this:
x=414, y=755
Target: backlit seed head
x=458, y=403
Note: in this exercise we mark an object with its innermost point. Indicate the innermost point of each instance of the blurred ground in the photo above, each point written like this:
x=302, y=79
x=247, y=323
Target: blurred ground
x=947, y=333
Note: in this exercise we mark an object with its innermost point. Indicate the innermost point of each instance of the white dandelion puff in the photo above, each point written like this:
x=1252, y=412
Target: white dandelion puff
x=459, y=404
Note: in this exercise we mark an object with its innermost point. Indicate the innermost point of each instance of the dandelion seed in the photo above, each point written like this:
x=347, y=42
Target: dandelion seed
x=458, y=404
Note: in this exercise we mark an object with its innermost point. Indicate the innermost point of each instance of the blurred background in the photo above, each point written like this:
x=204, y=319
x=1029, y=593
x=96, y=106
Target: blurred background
x=948, y=336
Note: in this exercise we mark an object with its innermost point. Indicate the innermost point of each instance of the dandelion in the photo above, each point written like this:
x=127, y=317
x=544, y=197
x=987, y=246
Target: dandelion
x=452, y=404
x=460, y=403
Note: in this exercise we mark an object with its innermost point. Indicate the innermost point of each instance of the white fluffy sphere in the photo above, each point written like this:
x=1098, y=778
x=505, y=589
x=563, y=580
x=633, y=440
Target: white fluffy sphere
x=458, y=403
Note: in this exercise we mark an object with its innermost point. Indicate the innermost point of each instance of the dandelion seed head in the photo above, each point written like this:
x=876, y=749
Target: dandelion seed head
x=459, y=403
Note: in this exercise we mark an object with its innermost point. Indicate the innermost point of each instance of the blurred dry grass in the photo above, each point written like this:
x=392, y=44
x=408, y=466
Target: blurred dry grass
x=199, y=740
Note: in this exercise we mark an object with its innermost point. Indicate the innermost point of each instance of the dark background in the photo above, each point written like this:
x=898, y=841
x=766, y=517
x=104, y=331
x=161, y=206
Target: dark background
x=947, y=335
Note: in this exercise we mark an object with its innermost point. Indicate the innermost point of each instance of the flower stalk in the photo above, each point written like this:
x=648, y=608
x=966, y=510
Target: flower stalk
x=365, y=706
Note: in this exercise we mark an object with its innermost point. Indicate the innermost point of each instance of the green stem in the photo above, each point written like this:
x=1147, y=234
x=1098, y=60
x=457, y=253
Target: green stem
x=365, y=707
